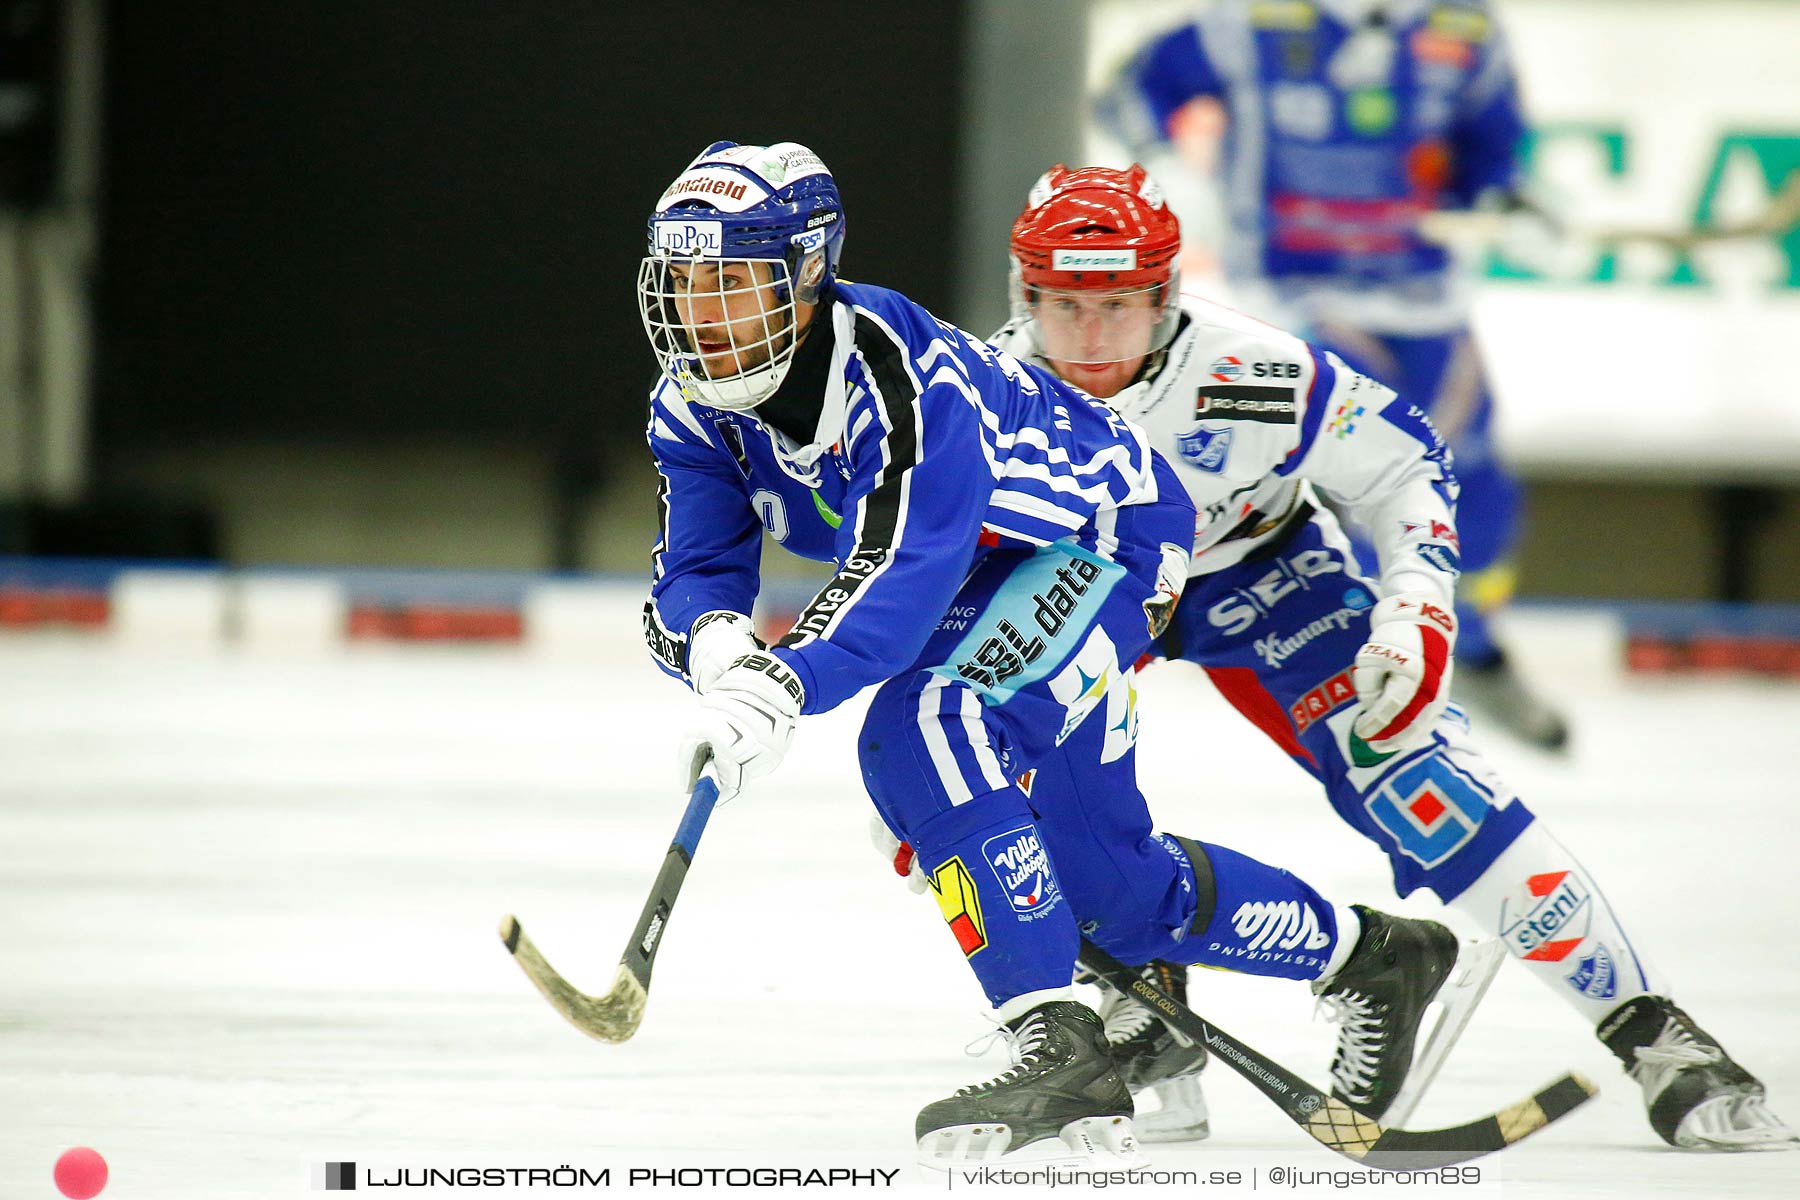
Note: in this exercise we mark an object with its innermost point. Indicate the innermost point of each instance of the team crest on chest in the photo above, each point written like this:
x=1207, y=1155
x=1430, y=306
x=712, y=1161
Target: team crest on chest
x=1205, y=448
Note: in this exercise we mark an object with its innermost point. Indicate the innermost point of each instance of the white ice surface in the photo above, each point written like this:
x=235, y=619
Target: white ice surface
x=250, y=906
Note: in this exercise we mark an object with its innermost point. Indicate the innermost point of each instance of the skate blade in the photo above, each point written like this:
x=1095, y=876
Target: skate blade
x=1182, y=1117
x=1476, y=965
x=1734, y=1125
x=1088, y=1142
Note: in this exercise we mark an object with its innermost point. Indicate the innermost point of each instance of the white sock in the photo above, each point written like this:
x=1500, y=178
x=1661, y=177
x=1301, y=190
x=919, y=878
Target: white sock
x=1018, y=1006
x=1540, y=901
x=1349, y=932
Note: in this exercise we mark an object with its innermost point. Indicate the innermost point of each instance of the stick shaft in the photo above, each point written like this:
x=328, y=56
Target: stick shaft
x=640, y=951
x=615, y=1015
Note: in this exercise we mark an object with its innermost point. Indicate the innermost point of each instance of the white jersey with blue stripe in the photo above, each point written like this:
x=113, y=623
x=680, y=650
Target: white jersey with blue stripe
x=1252, y=418
x=929, y=445
x=1342, y=132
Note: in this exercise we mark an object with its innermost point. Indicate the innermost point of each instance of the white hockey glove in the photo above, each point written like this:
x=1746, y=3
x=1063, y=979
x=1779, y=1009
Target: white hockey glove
x=744, y=723
x=1402, y=675
x=715, y=641
x=897, y=852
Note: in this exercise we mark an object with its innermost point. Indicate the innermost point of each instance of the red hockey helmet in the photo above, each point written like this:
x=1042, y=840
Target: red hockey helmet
x=1096, y=230
x=1096, y=227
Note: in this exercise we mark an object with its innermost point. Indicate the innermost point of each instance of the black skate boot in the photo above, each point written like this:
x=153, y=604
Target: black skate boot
x=1494, y=690
x=1699, y=1099
x=1062, y=1100
x=1151, y=1057
x=1399, y=966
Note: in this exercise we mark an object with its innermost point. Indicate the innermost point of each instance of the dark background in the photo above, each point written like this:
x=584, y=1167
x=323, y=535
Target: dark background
x=359, y=275
x=382, y=221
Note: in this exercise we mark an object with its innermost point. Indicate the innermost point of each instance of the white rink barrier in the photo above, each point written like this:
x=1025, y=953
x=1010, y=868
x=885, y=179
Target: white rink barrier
x=301, y=613
x=312, y=613
x=167, y=608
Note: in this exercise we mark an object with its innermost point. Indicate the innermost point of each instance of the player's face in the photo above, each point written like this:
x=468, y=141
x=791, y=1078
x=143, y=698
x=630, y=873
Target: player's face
x=732, y=313
x=1097, y=340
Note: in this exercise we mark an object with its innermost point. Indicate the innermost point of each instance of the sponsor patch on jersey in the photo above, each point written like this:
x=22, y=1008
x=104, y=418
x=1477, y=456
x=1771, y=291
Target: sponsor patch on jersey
x=1429, y=808
x=1248, y=402
x=1596, y=975
x=1205, y=448
x=1343, y=421
x=1277, y=648
x=1441, y=557
x=668, y=647
x=1227, y=369
x=817, y=616
x=733, y=437
x=1024, y=631
x=1290, y=575
x=1093, y=260
x=690, y=239
x=1321, y=700
x=1437, y=530
x=1023, y=869
x=960, y=903
x=1546, y=917
x=1410, y=419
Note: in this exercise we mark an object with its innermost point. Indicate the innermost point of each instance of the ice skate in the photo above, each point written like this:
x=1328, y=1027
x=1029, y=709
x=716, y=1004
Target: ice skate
x=1383, y=1064
x=1061, y=1102
x=1698, y=1097
x=1152, y=1057
x=1495, y=691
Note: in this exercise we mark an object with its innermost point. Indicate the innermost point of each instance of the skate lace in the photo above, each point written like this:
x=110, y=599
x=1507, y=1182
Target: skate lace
x=1024, y=1047
x=1126, y=1020
x=1675, y=1048
x=1360, y=1041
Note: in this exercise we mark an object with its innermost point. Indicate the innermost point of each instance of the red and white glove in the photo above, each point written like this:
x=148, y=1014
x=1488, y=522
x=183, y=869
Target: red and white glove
x=897, y=852
x=1402, y=673
x=744, y=724
x=715, y=641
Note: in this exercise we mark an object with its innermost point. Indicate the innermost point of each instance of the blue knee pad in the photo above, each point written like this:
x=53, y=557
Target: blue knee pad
x=992, y=877
x=1229, y=910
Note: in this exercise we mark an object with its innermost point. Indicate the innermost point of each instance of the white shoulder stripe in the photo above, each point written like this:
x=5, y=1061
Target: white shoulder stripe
x=668, y=395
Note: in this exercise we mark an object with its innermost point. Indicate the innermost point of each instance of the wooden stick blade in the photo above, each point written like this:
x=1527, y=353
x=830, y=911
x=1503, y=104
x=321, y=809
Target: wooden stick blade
x=1407, y=1149
x=613, y=1017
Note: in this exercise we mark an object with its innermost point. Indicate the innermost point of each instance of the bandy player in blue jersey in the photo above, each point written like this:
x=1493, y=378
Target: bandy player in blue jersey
x=1343, y=662
x=1005, y=548
x=1346, y=122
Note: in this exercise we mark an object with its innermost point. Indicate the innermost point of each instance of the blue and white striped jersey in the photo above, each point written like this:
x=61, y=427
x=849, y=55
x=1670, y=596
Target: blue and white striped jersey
x=930, y=446
x=1342, y=132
